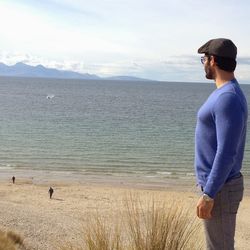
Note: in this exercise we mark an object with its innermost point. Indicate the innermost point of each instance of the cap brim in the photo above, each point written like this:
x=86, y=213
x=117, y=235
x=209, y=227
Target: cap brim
x=204, y=48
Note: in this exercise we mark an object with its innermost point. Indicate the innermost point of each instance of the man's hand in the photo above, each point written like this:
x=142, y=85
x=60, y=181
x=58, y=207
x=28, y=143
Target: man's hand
x=204, y=208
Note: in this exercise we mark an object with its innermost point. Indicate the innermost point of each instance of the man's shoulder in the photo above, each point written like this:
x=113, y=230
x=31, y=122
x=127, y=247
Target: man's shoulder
x=231, y=102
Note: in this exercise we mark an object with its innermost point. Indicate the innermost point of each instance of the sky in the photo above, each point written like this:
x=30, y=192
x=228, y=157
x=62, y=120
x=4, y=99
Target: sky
x=153, y=39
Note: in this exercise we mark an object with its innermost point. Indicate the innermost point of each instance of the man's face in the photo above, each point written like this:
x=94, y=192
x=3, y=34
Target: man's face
x=209, y=70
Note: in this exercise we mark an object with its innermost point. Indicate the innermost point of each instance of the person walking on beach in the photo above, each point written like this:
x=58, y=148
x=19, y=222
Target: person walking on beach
x=13, y=179
x=51, y=191
x=219, y=145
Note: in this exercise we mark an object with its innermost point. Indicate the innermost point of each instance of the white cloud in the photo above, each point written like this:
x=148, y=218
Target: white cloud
x=175, y=68
x=150, y=39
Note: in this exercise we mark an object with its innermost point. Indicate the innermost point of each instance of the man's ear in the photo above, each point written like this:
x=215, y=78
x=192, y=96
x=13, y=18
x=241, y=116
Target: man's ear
x=212, y=61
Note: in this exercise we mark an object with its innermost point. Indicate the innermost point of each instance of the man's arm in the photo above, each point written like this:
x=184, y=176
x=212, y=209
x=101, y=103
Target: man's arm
x=229, y=121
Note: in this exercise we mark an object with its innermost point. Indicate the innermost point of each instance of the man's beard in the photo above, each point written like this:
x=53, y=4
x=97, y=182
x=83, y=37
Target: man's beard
x=209, y=72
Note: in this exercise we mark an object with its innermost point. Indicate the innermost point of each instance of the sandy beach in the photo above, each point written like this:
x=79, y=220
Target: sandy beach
x=47, y=223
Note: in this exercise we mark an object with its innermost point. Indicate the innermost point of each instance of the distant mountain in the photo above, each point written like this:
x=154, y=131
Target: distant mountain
x=23, y=70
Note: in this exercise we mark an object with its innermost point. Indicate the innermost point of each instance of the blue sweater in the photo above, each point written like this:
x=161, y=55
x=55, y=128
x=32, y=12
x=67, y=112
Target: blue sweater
x=220, y=137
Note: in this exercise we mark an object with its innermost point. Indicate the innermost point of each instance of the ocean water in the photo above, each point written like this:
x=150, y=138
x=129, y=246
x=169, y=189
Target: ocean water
x=102, y=128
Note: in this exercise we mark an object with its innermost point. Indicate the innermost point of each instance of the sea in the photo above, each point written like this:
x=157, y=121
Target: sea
x=101, y=129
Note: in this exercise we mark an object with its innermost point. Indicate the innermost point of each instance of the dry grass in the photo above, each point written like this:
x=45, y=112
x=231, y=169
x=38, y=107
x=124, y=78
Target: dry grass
x=150, y=226
x=100, y=235
x=10, y=241
x=69, y=246
x=161, y=226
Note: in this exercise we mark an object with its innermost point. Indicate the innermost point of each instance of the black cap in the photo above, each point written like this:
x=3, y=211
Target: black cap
x=219, y=47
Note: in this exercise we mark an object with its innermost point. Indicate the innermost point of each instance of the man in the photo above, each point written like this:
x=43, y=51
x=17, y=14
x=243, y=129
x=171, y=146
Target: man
x=219, y=145
x=51, y=191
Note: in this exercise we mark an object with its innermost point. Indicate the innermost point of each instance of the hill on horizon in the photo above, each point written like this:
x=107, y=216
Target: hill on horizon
x=21, y=69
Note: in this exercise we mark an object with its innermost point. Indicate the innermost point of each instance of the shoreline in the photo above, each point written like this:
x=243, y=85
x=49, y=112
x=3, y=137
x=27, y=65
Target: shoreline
x=55, y=178
x=40, y=177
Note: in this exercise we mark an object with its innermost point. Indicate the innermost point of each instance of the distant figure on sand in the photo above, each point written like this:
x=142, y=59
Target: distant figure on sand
x=13, y=179
x=51, y=191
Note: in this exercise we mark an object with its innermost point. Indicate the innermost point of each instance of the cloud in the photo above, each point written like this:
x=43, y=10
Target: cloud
x=185, y=61
x=243, y=60
x=13, y=58
x=140, y=38
x=173, y=68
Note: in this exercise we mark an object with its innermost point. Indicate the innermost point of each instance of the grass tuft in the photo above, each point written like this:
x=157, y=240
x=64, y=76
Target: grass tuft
x=161, y=226
x=100, y=235
x=150, y=226
x=10, y=241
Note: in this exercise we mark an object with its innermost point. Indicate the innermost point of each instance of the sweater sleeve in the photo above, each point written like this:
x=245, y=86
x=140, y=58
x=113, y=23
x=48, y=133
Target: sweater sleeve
x=228, y=116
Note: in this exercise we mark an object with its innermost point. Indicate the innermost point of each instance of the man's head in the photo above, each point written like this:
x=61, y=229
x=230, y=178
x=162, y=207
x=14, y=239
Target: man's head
x=220, y=52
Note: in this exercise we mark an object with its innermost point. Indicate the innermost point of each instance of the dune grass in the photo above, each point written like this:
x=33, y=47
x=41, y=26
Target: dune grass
x=161, y=226
x=10, y=241
x=144, y=226
x=101, y=235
